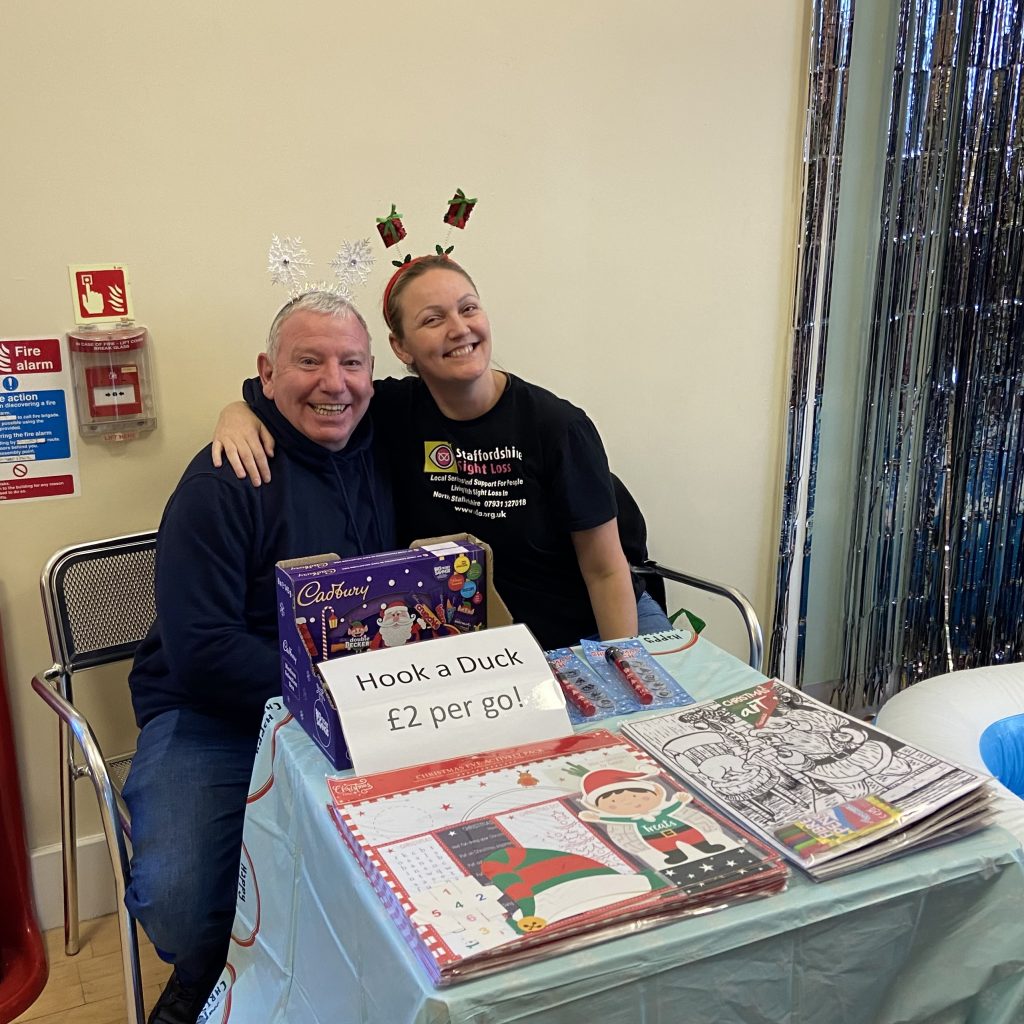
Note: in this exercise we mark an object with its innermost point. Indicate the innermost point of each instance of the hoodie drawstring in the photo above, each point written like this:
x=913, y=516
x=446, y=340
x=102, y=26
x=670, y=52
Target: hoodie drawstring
x=362, y=543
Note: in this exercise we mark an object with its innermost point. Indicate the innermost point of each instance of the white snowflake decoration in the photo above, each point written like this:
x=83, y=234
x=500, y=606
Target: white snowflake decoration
x=287, y=261
x=339, y=288
x=353, y=262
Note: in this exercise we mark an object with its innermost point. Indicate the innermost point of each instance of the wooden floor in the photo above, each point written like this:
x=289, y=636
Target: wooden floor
x=89, y=988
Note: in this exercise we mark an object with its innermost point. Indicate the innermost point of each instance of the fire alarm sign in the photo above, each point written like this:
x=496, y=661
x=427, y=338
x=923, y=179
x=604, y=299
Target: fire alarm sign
x=101, y=294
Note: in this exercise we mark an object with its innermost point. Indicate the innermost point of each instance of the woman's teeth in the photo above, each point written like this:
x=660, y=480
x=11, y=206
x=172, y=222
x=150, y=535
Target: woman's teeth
x=461, y=351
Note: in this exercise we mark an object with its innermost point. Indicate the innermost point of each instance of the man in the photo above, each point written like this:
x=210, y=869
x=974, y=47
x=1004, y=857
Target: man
x=210, y=662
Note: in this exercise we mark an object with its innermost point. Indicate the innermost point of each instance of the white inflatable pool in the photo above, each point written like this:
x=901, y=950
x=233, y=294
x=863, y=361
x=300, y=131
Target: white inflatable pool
x=950, y=714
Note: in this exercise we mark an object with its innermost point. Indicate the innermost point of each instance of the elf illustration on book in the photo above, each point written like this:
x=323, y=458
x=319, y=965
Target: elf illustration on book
x=551, y=885
x=644, y=821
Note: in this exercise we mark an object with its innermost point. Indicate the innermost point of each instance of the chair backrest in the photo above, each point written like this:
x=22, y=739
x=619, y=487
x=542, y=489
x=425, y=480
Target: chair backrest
x=633, y=537
x=99, y=599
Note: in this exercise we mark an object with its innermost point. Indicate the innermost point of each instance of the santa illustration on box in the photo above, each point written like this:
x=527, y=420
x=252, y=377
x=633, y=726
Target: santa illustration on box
x=397, y=626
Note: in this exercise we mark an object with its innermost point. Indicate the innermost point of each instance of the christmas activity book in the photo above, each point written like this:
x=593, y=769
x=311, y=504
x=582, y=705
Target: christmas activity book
x=508, y=856
x=828, y=791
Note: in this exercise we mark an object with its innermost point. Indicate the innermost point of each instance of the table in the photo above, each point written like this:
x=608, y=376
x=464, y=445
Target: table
x=936, y=937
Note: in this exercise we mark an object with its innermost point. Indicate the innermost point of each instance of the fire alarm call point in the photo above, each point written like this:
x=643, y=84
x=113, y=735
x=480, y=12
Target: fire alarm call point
x=110, y=363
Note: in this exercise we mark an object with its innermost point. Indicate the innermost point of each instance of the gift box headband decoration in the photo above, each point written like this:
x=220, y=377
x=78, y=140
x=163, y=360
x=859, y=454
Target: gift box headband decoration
x=392, y=231
x=287, y=263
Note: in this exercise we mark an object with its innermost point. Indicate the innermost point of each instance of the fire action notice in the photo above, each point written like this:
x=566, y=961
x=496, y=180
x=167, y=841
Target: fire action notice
x=37, y=447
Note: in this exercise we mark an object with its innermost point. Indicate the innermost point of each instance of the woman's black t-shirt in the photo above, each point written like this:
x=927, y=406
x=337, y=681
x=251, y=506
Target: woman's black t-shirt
x=521, y=477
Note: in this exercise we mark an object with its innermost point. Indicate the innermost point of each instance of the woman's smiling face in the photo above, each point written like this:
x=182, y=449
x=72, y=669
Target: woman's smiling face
x=446, y=334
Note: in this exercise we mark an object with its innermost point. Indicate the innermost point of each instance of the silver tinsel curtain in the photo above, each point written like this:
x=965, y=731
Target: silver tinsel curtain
x=936, y=554
x=829, y=60
x=936, y=558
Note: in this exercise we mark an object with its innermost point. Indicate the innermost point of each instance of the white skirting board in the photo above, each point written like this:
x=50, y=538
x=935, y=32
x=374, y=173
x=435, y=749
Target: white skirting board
x=96, y=895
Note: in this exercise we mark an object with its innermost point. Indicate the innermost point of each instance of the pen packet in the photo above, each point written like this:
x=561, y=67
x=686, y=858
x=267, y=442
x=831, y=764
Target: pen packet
x=632, y=677
x=584, y=689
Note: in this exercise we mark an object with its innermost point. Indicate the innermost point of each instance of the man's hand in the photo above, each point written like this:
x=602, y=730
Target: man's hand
x=242, y=437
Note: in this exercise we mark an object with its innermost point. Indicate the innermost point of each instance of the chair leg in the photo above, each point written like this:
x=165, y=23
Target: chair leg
x=69, y=840
x=130, y=965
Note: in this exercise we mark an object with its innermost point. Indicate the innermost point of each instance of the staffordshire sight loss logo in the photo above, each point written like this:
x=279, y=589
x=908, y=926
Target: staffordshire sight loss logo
x=438, y=457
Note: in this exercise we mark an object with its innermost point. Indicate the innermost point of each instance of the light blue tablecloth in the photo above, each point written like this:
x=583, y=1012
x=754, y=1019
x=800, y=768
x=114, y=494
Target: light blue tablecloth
x=935, y=937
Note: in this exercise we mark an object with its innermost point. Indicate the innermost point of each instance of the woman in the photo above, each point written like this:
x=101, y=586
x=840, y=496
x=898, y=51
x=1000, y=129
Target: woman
x=474, y=449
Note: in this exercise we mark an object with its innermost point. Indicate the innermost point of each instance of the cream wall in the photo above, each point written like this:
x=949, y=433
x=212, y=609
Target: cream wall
x=638, y=172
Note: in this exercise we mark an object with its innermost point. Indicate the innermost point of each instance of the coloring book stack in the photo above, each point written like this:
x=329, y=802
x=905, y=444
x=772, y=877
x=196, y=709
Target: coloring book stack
x=508, y=856
x=828, y=791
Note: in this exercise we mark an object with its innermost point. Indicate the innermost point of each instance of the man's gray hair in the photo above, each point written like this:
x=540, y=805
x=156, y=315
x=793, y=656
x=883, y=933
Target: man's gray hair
x=313, y=302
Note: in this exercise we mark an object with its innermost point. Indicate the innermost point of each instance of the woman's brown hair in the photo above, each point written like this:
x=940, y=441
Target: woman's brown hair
x=400, y=280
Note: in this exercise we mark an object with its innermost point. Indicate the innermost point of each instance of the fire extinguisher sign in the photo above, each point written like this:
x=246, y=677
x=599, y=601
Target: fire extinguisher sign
x=101, y=293
x=37, y=449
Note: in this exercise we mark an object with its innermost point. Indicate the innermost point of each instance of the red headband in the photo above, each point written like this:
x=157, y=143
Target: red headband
x=399, y=272
x=391, y=284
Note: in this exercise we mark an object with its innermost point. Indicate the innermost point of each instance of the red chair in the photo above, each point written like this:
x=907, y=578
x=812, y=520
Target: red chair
x=23, y=968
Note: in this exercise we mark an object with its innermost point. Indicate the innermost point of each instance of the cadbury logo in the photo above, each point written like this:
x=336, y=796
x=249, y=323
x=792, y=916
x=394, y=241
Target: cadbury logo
x=316, y=593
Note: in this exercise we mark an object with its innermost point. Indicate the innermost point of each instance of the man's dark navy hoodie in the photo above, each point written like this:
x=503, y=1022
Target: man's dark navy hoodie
x=213, y=646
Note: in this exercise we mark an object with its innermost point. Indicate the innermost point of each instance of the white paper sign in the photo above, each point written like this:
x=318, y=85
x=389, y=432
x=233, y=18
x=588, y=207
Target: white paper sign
x=38, y=457
x=443, y=698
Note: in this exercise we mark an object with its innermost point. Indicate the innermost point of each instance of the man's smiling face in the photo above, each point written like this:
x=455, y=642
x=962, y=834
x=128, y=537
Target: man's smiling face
x=322, y=377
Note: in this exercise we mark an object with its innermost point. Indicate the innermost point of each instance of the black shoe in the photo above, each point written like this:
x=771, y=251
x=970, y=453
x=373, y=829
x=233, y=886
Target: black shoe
x=706, y=847
x=675, y=857
x=178, y=1004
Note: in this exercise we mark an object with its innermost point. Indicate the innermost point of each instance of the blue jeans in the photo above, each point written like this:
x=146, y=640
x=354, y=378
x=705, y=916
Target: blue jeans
x=186, y=793
x=649, y=616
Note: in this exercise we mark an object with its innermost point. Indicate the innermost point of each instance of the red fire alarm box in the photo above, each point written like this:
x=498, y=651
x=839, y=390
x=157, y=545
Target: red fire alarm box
x=112, y=382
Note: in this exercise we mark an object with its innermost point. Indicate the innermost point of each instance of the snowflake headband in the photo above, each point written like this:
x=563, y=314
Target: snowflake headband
x=288, y=260
x=392, y=232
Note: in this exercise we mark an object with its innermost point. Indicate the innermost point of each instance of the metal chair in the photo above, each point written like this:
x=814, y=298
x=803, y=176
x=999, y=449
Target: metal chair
x=99, y=602
x=653, y=571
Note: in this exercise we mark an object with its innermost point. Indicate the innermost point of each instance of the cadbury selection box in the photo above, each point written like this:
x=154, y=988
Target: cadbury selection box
x=339, y=607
